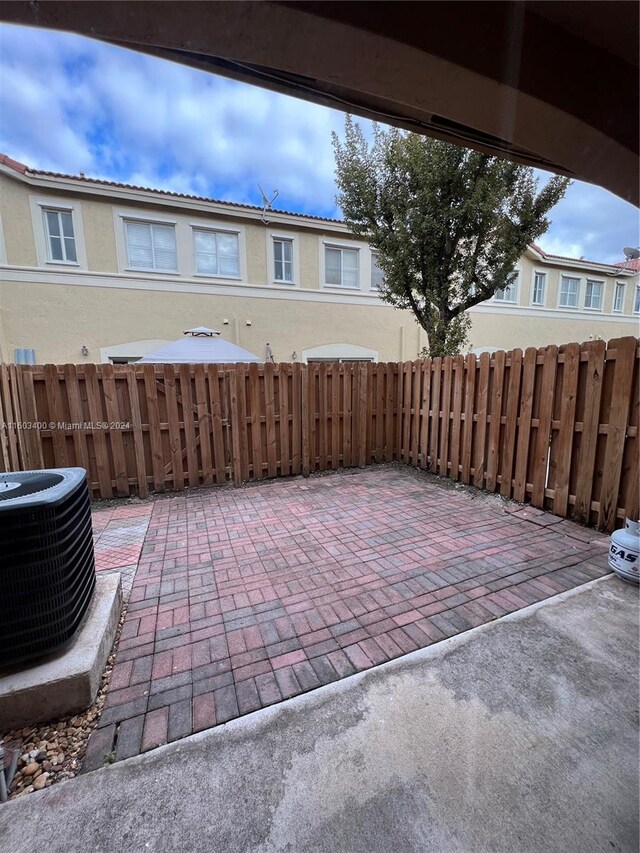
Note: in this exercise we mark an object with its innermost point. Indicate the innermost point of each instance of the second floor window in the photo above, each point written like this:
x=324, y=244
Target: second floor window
x=341, y=267
x=509, y=293
x=283, y=260
x=217, y=253
x=61, y=241
x=151, y=246
x=618, y=298
x=377, y=276
x=593, y=295
x=636, y=303
x=538, y=288
x=569, y=288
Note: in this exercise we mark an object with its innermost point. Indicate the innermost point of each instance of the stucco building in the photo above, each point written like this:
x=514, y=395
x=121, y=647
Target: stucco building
x=92, y=270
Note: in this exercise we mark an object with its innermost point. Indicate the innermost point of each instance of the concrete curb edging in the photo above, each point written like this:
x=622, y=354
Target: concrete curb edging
x=66, y=682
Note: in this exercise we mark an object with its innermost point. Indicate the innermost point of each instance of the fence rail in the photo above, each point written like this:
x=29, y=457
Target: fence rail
x=556, y=427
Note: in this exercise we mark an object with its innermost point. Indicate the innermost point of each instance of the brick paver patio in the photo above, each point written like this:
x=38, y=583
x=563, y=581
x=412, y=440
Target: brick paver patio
x=245, y=597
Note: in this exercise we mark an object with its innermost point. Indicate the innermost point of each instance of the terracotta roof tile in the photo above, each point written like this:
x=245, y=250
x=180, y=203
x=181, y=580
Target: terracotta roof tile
x=633, y=264
x=13, y=164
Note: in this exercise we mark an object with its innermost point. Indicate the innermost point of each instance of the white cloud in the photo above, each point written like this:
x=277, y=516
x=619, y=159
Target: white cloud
x=556, y=246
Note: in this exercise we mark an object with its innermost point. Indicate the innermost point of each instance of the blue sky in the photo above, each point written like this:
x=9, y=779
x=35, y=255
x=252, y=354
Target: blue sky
x=70, y=104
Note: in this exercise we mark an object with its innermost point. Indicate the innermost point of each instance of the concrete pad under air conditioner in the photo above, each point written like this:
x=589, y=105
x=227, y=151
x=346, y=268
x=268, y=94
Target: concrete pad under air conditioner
x=65, y=682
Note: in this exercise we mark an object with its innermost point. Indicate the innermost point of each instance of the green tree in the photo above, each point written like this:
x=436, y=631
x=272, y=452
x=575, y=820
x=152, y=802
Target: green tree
x=449, y=224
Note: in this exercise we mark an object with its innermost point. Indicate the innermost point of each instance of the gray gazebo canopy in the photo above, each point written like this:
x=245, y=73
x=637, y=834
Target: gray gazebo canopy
x=199, y=346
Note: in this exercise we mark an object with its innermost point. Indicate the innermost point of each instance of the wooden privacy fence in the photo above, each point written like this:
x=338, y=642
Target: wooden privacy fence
x=143, y=428
x=555, y=427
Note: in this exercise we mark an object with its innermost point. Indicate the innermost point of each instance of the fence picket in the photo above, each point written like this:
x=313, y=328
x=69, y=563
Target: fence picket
x=434, y=422
x=362, y=416
x=335, y=415
x=480, y=459
x=96, y=415
x=10, y=418
x=458, y=380
x=138, y=437
x=270, y=419
x=114, y=433
x=347, y=420
x=524, y=423
x=204, y=424
x=445, y=424
x=33, y=439
x=188, y=411
x=218, y=399
x=543, y=435
x=390, y=403
x=55, y=411
x=175, y=443
x=284, y=376
x=493, y=450
x=155, y=434
x=469, y=397
x=617, y=429
x=567, y=427
x=306, y=410
x=425, y=370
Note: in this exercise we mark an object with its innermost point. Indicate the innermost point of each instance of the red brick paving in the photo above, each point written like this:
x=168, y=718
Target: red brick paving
x=246, y=597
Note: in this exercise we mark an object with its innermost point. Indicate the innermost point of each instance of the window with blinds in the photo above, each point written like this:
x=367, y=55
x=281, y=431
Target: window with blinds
x=216, y=253
x=151, y=246
x=377, y=276
x=283, y=260
x=510, y=292
x=569, y=292
x=539, y=282
x=61, y=241
x=341, y=267
x=593, y=295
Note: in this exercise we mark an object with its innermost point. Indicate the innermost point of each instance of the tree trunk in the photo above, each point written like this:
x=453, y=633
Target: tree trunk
x=437, y=335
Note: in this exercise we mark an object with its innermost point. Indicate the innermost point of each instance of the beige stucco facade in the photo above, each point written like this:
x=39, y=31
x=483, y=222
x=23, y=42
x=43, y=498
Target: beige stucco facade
x=99, y=308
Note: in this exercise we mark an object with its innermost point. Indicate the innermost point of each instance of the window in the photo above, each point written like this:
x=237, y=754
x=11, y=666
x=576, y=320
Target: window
x=61, y=242
x=510, y=292
x=377, y=276
x=618, y=297
x=539, y=281
x=151, y=246
x=636, y=304
x=341, y=267
x=217, y=253
x=283, y=260
x=593, y=295
x=569, y=288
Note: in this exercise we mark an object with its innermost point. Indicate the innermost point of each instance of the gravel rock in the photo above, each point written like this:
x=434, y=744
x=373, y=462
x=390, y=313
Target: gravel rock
x=40, y=781
x=53, y=751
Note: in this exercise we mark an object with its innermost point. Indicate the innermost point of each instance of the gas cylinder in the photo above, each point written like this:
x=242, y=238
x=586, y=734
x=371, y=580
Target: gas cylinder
x=624, y=549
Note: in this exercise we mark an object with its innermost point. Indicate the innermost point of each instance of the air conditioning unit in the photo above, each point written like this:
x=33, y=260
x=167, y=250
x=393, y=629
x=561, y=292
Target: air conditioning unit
x=47, y=569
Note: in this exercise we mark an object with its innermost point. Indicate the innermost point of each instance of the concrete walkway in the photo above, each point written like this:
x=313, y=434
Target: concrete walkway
x=520, y=735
